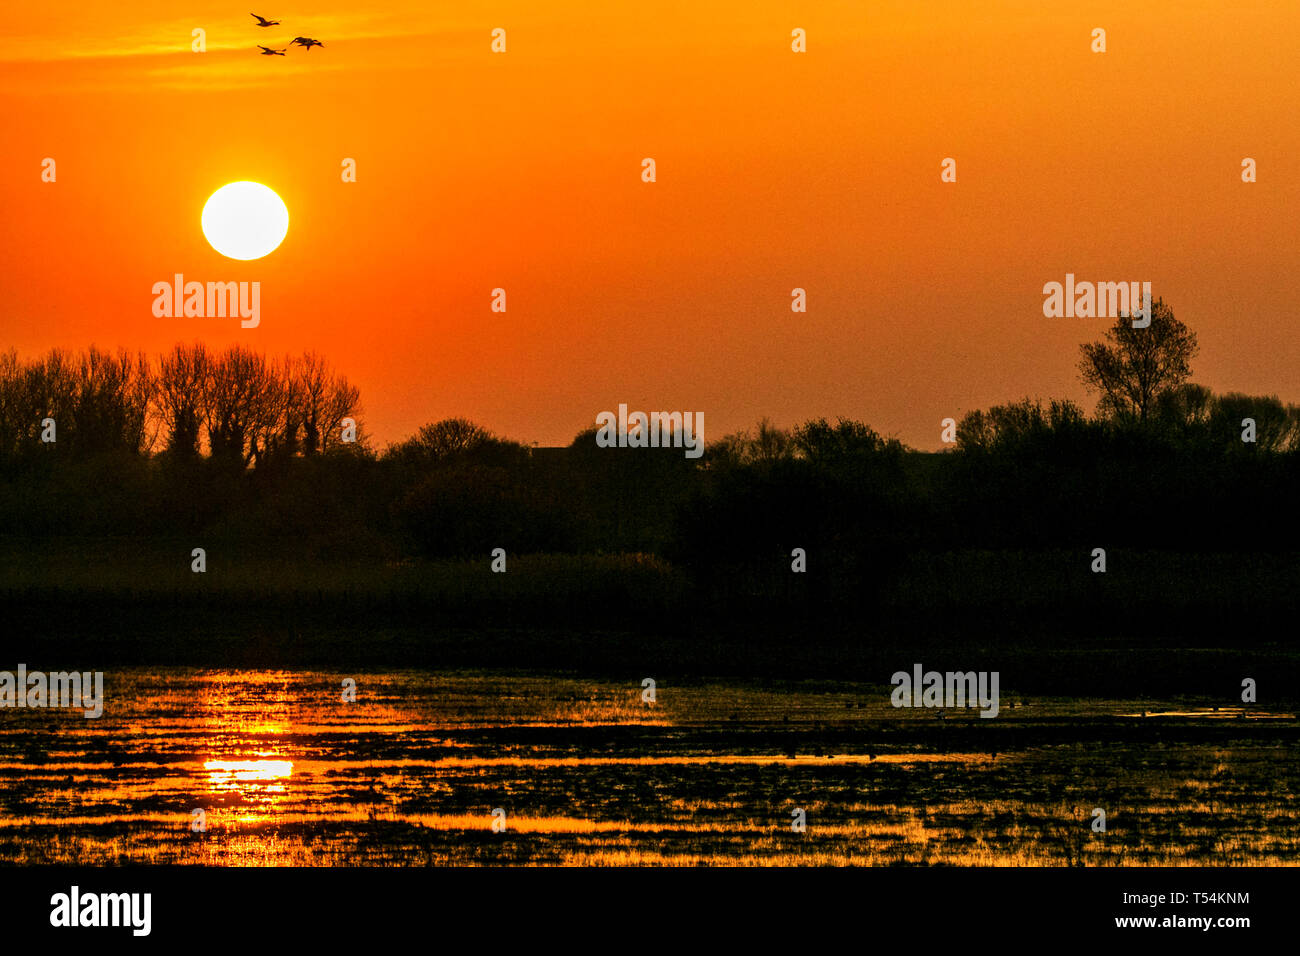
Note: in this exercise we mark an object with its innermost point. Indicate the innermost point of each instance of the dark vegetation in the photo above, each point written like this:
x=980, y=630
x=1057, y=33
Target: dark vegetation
x=307, y=532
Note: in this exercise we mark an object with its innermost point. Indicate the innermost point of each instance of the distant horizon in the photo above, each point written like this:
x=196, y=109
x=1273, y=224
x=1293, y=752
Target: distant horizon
x=381, y=438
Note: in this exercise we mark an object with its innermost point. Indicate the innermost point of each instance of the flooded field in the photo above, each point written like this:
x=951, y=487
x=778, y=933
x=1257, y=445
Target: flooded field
x=286, y=772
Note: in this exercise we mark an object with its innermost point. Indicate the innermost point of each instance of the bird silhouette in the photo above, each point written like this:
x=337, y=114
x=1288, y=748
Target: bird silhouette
x=263, y=22
x=267, y=51
x=306, y=42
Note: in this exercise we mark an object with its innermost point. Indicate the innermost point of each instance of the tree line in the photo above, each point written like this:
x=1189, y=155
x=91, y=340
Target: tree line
x=234, y=406
x=236, y=446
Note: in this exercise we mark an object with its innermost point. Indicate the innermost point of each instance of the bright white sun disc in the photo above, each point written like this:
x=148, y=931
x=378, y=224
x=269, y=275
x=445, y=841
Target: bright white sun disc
x=245, y=220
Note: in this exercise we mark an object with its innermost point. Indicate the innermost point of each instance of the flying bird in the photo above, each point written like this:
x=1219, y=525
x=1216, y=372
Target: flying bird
x=306, y=42
x=263, y=22
x=267, y=51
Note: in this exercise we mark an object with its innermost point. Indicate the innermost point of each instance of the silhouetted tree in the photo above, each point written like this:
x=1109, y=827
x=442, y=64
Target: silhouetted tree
x=183, y=375
x=441, y=442
x=1277, y=426
x=100, y=403
x=766, y=445
x=244, y=402
x=1009, y=429
x=1134, y=367
x=850, y=449
x=1186, y=411
x=316, y=401
x=111, y=409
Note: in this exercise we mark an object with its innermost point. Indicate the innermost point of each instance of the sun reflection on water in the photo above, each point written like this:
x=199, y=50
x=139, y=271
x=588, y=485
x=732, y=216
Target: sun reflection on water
x=225, y=773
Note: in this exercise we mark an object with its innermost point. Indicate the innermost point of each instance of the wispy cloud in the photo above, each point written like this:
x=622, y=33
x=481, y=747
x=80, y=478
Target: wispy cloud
x=176, y=36
x=161, y=56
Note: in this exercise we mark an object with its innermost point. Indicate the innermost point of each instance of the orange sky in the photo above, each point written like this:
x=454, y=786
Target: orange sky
x=775, y=170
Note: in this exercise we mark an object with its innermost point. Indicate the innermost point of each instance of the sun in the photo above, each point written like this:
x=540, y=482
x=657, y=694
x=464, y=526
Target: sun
x=245, y=220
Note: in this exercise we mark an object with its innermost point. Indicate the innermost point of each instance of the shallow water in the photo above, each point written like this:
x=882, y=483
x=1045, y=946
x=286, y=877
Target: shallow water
x=286, y=772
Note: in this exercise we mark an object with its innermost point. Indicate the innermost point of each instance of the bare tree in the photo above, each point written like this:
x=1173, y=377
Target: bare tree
x=246, y=407
x=243, y=400
x=183, y=384
x=49, y=389
x=319, y=401
x=114, y=394
x=14, y=413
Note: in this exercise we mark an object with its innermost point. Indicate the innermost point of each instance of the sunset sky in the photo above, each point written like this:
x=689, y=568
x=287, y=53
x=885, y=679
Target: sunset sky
x=775, y=170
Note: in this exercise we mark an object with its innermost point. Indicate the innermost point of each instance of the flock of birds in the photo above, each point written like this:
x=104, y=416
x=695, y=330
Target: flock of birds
x=305, y=42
